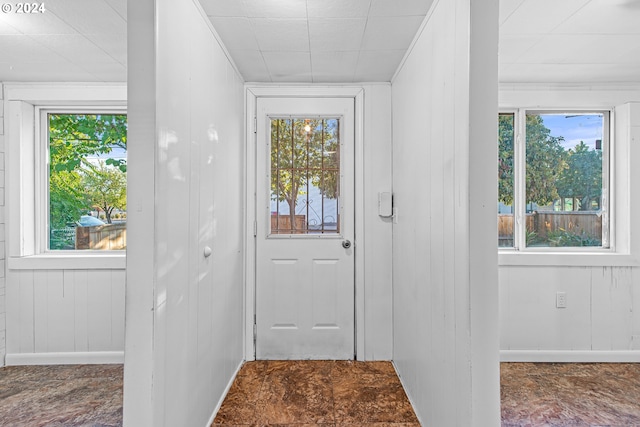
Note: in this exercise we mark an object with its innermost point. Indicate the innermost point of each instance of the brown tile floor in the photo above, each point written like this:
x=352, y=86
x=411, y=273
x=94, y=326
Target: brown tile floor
x=540, y=394
x=570, y=394
x=55, y=396
x=324, y=393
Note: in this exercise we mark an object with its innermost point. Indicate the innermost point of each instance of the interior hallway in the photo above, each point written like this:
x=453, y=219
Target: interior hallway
x=277, y=393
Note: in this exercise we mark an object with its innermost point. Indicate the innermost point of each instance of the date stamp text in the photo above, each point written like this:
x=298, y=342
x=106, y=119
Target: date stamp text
x=23, y=8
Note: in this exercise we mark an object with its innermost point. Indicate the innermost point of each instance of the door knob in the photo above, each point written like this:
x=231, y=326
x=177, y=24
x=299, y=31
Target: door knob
x=346, y=244
x=207, y=251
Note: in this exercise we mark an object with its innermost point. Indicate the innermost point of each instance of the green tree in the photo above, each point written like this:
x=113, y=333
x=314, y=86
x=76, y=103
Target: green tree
x=106, y=188
x=505, y=158
x=582, y=177
x=303, y=152
x=73, y=140
x=546, y=159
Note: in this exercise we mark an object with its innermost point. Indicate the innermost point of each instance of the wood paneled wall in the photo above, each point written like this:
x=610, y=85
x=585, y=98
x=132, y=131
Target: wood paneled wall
x=65, y=311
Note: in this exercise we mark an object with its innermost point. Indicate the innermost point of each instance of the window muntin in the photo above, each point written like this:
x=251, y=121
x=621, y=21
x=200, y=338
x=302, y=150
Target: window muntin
x=561, y=179
x=305, y=176
x=85, y=157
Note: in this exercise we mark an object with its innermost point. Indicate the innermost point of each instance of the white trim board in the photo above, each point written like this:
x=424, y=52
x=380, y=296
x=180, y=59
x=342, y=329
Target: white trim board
x=69, y=358
x=224, y=394
x=570, y=356
x=296, y=91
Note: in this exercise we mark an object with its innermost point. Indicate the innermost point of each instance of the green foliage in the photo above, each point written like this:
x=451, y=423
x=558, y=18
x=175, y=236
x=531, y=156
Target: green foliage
x=106, y=188
x=301, y=157
x=546, y=159
x=73, y=140
x=582, y=177
x=562, y=237
x=505, y=158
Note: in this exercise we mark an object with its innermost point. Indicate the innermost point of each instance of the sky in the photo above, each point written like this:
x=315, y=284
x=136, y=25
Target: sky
x=575, y=128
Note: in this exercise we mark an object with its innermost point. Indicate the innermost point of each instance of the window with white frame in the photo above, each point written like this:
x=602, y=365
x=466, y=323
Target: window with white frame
x=83, y=184
x=553, y=180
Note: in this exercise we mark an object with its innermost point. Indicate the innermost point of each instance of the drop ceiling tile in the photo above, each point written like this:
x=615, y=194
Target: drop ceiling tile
x=580, y=49
x=378, y=65
x=400, y=8
x=288, y=66
x=23, y=49
x=507, y=7
x=604, y=17
x=5, y=28
x=540, y=16
x=251, y=65
x=115, y=45
x=223, y=7
x=75, y=48
x=512, y=47
x=89, y=16
x=120, y=6
x=236, y=33
x=107, y=72
x=336, y=34
x=333, y=66
x=32, y=72
x=338, y=8
x=39, y=23
x=275, y=8
x=281, y=34
x=390, y=32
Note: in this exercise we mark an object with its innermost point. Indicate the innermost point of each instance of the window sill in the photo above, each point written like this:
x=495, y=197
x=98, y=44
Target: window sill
x=70, y=261
x=567, y=259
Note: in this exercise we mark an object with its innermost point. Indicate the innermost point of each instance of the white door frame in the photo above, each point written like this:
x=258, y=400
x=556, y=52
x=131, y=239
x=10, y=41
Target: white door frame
x=253, y=92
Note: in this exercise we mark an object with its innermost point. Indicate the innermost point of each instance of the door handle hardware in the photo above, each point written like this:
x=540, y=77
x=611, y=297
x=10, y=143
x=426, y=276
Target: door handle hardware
x=346, y=244
x=207, y=251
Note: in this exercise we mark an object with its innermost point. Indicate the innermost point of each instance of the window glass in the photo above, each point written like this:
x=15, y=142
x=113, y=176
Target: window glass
x=87, y=181
x=564, y=179
x=305, y=176
x=505, y=180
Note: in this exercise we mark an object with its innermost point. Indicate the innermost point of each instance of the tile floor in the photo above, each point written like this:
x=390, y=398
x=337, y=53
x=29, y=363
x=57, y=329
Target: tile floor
x=570, y=394
x=326, y=393
x=56, y=396
x=540, y=394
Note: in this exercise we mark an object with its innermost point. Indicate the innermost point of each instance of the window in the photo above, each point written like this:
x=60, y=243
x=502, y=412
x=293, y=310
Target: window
x=305, y=175
x=86, y=182
x=553, y=179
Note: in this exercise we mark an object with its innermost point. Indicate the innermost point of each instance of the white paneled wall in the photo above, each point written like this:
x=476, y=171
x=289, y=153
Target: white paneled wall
x=184, y=309
x=444, y=264
x=65, y=316
x=599, y=317
x=602, y=319
x=3, y=291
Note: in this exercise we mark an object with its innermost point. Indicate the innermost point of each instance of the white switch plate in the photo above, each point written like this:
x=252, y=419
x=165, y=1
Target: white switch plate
x=561, y=300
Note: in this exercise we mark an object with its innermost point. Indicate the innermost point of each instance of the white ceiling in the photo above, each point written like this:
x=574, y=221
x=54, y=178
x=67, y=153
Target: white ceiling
x=316, y=40
x=543, y=41
x=73, y=40
x=570, y=41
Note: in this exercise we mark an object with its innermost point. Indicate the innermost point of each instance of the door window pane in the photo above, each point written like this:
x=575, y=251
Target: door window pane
x=305, y=176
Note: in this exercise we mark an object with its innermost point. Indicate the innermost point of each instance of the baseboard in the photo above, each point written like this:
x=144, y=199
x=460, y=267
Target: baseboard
x=70, y=358
x=571, y=356
x=224, y=394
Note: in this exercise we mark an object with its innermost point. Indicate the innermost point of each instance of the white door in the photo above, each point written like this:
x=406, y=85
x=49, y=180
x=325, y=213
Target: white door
x=305, y=228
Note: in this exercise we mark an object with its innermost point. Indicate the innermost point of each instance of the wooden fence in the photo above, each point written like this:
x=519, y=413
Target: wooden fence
x=542, y=223
x=105, y=237
x=282, y=224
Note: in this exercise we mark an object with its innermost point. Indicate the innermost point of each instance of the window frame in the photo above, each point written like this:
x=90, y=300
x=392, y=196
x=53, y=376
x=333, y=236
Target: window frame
x=520, y=254
x=42, y=213
x=21, y=144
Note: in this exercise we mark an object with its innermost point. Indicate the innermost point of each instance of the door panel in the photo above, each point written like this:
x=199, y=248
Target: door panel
x=305, y=192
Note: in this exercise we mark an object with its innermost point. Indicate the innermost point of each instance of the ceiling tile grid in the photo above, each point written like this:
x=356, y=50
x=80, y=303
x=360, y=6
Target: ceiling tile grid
x=322, y=40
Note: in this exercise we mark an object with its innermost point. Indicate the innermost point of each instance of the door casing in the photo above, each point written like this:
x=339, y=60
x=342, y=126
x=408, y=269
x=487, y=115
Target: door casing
x=252, y=94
